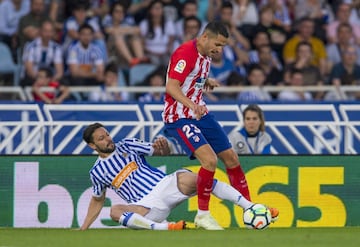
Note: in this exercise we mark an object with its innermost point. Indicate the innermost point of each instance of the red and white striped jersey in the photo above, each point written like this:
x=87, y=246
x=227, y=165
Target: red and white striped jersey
x=189, y=67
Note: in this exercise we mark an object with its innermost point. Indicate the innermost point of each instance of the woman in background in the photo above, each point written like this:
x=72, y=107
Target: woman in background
x=252, y=138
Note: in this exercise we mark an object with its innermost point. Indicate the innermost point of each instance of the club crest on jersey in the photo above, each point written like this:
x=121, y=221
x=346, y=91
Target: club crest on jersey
x=180, y=66
x=200, y=82
x=125, y=155
x=196, y=138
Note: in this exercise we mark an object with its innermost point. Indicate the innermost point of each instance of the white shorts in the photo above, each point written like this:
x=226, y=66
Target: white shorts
x=163, y=198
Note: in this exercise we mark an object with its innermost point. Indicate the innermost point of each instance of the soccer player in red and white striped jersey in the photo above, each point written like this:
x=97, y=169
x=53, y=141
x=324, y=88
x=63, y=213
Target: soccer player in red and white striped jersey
x=187, y=119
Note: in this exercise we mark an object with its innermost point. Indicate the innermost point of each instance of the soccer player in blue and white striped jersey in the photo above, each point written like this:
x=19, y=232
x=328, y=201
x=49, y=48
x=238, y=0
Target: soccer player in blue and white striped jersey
x=150, y=193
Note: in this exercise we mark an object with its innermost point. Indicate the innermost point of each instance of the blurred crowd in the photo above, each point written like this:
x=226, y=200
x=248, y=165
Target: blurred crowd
x=111, y=43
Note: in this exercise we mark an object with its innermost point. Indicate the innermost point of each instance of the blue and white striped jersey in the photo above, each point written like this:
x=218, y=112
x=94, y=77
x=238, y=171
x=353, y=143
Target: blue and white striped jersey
x=77, y=54
x=126, y=171
x=72, y=24
x=41, y=56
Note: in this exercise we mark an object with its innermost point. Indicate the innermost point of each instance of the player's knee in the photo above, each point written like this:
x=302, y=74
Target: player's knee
x=209, y=162
x=229, y=158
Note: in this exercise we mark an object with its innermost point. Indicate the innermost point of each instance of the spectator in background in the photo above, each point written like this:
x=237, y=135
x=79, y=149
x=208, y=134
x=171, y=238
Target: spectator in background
x=155, y=79
x=158, y=34
x=221, y=68
x=334, y=50
x=191, y=29
x=226, y=14
x=73, y=23
x=274, y=76
x=57, y=93
x=252, y=138
x=347, y=72
x=85, y=60
x=29, y=25
x=256, y=78
x=138, y=8
x=11, y=12
x=225, y=71
x=98, y=8
x=203, y=13
x=111, y=80
x=262, y=39
x=56, y=10
x=343, y=17
x=297, y=94
x=355, y=11
x=311, y=73
x=189, y=9
x=245, y=15
x=276, y=34
x=305, y=33
x=314, y=9
x=123, y=34
x=281, y=13
x=236, y=49
x=213, y=9
x=171, y=10
x=317, y=10
x=43, y=52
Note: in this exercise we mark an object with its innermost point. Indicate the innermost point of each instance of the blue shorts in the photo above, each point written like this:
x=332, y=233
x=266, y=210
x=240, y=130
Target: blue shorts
x=192, y=134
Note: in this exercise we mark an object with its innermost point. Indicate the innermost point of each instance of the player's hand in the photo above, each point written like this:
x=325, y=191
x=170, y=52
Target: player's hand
x=210, y=84
x=199, y=111
x=161, y=146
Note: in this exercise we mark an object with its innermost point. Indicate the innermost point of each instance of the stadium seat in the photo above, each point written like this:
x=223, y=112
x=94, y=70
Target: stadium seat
x=7, y=64
x=138, y=73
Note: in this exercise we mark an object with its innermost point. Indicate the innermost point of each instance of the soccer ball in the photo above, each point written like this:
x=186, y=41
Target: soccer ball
x=257, y=217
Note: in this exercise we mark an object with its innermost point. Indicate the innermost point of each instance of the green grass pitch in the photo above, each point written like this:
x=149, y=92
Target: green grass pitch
x=274, y=237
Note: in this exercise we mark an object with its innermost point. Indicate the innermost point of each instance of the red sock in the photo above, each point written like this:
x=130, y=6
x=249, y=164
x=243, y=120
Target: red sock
x=204, y=188
x=238, y=181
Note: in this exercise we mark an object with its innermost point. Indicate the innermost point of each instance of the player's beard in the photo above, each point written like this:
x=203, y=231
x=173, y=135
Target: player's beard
x=108, y=149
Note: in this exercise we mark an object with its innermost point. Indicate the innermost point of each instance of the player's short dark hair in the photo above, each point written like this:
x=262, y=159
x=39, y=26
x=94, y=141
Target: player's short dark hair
x=89, y=131
x=86, y=26
x=217, y=27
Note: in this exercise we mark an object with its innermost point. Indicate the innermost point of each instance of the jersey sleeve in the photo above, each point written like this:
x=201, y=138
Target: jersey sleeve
x=98, y=188
x=182, y=62
x=139, y=147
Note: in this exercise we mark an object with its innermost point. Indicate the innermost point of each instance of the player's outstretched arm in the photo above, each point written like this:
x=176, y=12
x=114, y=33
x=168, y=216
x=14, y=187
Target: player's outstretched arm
x=95, y=206
x=210, y=84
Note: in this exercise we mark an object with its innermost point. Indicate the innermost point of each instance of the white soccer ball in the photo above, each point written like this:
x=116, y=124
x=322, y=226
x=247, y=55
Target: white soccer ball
x=258, y=217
